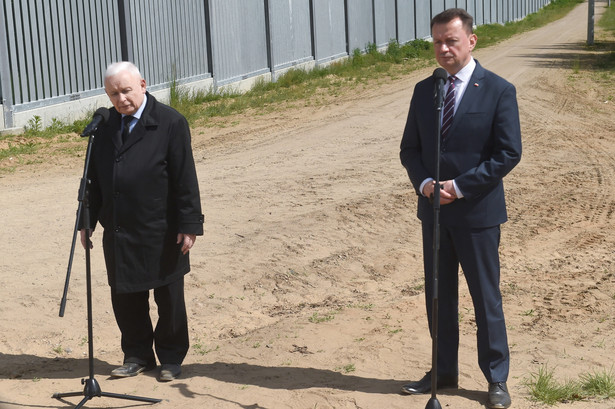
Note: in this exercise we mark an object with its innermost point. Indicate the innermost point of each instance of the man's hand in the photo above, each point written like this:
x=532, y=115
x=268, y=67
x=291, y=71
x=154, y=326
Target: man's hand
x=187, y=241
x=86, y=240
x=447, y=191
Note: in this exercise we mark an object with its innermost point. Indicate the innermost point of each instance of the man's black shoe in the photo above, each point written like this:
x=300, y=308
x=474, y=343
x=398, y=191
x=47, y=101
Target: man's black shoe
x=169, y=372
x=424, y=385
x=498, y=396
x=131, y=369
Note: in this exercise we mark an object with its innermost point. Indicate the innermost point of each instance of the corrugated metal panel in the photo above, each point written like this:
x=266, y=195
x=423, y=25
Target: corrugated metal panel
x=55, y=48
x=501, y=10
x=405, y=21
x=291, y=32
x=462, y=4
x=495, y=15
x=239, y=39
x=56, y=51
x=437, y=6
x=169, y=41
x=479, y=17
x=423, y=18
x=329, y=29
x=360, y=24
x=385, y=22
x=471, y=8
x=487, y=12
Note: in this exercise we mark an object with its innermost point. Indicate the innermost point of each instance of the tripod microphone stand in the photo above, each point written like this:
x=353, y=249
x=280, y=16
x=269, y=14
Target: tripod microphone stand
x=440, y=76
x=91, y=388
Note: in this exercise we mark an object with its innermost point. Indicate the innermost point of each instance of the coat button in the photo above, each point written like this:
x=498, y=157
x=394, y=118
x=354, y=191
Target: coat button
x=116, y=194
x=117, y=229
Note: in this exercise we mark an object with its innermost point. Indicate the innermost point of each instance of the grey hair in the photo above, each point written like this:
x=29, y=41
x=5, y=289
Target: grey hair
x=117, y=67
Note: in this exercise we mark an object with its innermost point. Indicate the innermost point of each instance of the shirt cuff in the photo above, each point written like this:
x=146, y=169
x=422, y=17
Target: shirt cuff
x=457, y=191
x=426, y=181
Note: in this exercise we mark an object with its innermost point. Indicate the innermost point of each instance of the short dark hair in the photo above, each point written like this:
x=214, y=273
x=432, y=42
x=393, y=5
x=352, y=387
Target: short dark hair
x=449, y=15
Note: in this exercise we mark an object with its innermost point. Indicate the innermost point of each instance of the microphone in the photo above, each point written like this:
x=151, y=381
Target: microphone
x=100, y=117
x=440, y=76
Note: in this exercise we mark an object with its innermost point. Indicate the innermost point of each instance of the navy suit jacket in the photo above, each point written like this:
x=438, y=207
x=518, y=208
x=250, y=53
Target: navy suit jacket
x=482, y=146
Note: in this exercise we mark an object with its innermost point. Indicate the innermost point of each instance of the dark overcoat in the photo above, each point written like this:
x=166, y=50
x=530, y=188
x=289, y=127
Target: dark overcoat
x=144, y=192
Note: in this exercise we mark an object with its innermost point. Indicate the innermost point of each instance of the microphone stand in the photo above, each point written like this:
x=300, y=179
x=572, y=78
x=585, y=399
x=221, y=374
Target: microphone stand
x=92, y=388
x=433, y=402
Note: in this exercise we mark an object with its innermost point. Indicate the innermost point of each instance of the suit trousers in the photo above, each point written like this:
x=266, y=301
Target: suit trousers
x=169, y=338
x=477, y=251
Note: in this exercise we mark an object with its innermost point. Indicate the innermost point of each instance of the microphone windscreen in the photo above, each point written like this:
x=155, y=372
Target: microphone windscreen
x=440, y=74
x=103, y=112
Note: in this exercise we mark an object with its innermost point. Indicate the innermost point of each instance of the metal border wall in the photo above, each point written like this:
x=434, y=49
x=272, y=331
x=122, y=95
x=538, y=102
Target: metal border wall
x=53, y=52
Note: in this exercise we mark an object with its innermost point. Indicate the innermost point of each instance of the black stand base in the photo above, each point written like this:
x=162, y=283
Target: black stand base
x=92, y=390
x=433, y=403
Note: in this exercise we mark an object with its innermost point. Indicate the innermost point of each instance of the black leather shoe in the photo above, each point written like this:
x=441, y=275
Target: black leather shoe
x=169, y=372
x=131, y=369
x=424, y=385
x=498, y=396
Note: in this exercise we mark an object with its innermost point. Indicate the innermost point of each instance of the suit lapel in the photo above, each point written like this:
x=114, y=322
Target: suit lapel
x=148, y=119
x=116, y=137
x=472, y=92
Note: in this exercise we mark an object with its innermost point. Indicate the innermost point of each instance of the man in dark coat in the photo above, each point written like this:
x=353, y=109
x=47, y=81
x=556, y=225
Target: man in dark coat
x=481, y=143
x=144, y=192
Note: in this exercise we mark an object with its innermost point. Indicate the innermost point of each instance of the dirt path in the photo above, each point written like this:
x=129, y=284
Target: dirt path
x=306, y=290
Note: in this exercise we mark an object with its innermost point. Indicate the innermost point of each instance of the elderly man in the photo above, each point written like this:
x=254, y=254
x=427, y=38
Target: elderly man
x=144, y=192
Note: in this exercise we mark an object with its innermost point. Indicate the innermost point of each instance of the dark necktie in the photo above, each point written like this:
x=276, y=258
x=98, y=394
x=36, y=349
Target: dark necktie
x=126, y=127
x=449, y=107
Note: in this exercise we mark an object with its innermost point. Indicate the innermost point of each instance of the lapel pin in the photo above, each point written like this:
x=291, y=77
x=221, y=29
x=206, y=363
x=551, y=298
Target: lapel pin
x=476, y=84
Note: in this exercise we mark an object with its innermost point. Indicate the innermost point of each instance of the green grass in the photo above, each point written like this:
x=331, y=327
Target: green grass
x=317, y=318
x=301, y=85
x=600, y=384
x=605, y=43
x=544, y=388
x=346, y=368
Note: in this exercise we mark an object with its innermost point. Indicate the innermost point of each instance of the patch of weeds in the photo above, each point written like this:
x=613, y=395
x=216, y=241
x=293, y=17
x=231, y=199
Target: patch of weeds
x=201, y=349
x=34, y=126
x=364, y=307
x=316, y=318
x=544, y=388
x=599, y=384
x=346, y=368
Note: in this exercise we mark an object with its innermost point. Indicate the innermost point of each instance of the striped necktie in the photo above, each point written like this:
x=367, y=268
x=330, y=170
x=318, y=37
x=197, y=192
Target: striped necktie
x=449, y=107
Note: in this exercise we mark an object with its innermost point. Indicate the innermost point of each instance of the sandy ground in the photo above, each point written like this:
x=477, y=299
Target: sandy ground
x=306, y=289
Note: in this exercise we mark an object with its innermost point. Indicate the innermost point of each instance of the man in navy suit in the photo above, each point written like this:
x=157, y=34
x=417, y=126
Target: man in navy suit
x=482, y=144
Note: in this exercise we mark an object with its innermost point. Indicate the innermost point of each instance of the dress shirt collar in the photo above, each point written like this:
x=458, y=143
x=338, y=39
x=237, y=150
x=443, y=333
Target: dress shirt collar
x=139, y=112
x=466, y=72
